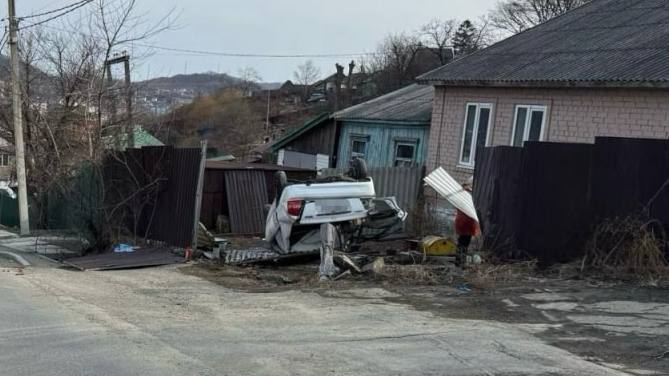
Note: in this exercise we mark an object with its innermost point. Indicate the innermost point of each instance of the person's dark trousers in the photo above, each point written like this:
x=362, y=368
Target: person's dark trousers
x=463, y=246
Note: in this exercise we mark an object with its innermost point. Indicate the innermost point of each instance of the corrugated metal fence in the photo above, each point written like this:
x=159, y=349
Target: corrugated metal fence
x=159, y=188
x=403, y=183
x=238, y=193
x=543, y=199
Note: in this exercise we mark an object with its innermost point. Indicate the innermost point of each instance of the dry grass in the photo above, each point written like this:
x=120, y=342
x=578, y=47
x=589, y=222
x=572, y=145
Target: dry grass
x=628, y=247
x=492, y=273
x=414, y=274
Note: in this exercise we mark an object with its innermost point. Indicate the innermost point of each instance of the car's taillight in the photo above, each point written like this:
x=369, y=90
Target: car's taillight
x=294, y=206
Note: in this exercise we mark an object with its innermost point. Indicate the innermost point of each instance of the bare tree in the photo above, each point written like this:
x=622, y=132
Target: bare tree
x=306, y=75
x=438, y=36
x=66, y=96
x=394, y=62
x=248, y=79
x=515, y=16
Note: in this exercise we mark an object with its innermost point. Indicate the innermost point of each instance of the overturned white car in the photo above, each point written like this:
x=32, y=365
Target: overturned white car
x=347, y=204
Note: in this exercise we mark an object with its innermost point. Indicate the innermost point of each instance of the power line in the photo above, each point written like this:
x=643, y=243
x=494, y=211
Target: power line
x=226, y=54
x=70, y=10
x=82, y=2
x=231, y=54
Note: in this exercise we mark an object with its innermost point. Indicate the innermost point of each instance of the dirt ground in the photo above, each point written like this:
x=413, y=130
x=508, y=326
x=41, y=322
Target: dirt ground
x=621, y=325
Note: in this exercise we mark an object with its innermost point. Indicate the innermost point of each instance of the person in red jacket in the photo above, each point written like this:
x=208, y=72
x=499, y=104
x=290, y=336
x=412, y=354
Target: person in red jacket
x=465, y=229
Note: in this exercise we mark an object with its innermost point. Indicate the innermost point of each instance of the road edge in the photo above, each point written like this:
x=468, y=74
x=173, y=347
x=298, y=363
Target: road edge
x=16, y=258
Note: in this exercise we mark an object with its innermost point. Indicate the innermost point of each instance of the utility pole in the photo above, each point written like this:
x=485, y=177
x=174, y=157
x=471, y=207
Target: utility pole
x=18, y=120
x=127, y=128
x=269, y=98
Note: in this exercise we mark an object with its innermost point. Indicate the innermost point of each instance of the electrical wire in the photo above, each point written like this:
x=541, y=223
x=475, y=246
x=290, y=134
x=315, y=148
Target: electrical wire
x=231, y=54
x=70, y=10
x=55, y=10
x=226, y=54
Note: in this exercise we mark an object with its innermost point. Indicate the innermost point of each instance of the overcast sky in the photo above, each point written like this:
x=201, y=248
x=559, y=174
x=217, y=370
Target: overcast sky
x=276, y=27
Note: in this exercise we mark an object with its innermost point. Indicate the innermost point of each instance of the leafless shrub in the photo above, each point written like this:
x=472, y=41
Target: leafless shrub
x=629, y=247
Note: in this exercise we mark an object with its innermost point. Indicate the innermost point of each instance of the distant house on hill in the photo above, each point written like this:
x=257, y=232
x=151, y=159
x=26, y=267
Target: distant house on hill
x=140, y=138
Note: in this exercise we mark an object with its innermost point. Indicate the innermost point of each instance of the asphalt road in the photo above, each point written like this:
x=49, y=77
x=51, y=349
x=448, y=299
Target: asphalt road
x=161, y=322
x=39, y=336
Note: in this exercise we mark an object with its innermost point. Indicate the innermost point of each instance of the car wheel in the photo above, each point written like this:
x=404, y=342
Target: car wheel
x=359, y=169
x=280, y=182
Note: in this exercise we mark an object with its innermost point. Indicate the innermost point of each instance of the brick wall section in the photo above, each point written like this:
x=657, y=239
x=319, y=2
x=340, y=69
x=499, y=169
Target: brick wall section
x=574, y=115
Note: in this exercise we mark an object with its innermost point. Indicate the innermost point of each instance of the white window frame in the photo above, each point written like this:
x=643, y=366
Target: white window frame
x=4, y=159
x=406, y=142
x=358, y=137
x=479, y=106
x=528, y=120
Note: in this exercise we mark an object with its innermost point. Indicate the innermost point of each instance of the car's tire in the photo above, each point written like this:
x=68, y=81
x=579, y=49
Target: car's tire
x=359, y=169
x=280, y=182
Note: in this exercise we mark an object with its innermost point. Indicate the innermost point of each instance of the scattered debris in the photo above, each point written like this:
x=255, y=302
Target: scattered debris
x=205, y=240
x=375, y=267
x=464, y=288
x=123, y=248
x=346, y=263
x=409, y=258
x=346, y=273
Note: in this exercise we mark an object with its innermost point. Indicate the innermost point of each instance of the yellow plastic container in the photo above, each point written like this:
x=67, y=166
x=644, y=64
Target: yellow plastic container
x=438, y=246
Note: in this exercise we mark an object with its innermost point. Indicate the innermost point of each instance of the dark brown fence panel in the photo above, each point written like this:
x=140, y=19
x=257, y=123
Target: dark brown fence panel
x=167, y=180
x=497, y=196
x=555, y=208
x=177, y=209
x=246, y=192
x=544, y=199
x=629, y=172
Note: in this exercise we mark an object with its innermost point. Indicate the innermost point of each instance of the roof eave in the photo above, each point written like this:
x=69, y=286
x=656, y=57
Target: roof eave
x=425, y=122
x=313, y=122
x=618, y=84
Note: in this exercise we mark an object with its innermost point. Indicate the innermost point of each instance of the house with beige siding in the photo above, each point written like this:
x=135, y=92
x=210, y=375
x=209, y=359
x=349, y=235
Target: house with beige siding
x=599, y=70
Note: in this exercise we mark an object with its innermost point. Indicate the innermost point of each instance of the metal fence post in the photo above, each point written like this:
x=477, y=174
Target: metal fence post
x=198, y=194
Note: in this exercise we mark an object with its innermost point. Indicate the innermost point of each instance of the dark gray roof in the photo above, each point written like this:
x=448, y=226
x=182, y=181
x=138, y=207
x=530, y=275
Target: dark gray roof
x=607, y=43
x=412, y=104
